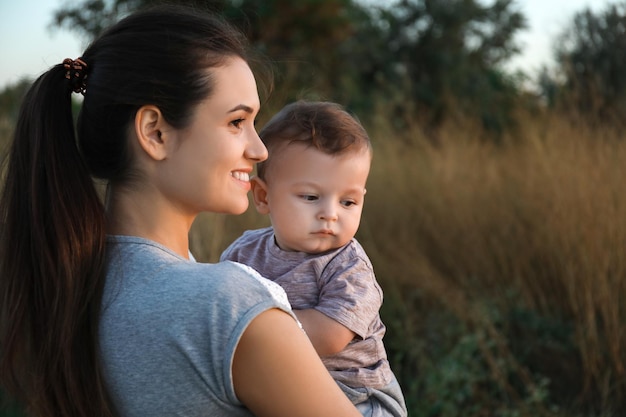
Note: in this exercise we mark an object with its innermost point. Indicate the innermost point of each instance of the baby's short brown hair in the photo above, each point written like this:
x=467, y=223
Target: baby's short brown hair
x=324, y=125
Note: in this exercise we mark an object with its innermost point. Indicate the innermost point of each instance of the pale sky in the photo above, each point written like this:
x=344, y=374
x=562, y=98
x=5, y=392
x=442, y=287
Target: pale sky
x=28, y=47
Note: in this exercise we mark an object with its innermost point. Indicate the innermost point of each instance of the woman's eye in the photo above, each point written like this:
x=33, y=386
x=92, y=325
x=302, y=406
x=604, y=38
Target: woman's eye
x=237, y=123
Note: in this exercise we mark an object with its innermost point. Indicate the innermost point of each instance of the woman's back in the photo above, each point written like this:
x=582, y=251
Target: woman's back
x=170, y=327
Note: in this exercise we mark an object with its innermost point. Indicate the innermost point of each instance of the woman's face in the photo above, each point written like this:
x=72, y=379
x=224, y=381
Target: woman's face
x=213, y=157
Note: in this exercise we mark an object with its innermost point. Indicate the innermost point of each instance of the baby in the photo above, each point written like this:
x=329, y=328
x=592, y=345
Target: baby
x=312, y=186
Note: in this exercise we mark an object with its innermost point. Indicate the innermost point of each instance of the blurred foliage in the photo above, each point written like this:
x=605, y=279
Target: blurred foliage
x=425, y=62
x=447, y=55
x=11, y=97
x=10, y=100
x=591, y=54
x=438, y=59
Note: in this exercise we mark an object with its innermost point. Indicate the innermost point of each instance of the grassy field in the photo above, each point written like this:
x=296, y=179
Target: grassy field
x=503, y=267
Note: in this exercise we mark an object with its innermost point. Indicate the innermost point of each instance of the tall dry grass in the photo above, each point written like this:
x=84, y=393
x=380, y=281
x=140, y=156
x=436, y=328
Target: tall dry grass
x=539, y=225
x=512, y=256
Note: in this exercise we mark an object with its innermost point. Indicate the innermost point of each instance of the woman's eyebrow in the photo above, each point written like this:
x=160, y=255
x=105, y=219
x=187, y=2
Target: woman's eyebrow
x=243, y=107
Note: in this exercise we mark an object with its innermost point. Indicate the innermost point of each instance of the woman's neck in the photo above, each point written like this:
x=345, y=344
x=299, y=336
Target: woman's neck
x=149, y=216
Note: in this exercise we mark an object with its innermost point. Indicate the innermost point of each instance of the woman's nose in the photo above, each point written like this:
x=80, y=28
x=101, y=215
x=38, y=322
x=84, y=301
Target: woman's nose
x=256, y=150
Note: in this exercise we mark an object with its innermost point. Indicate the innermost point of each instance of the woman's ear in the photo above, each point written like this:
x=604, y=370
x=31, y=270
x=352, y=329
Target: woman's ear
x=150, y=128
x=259, y=194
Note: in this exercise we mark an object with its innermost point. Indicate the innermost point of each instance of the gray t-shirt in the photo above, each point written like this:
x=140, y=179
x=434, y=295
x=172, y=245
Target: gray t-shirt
x=170, y=326
x=339, y=283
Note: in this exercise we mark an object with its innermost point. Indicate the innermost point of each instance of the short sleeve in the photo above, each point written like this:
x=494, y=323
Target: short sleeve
x=350, y=294
x=276, y=291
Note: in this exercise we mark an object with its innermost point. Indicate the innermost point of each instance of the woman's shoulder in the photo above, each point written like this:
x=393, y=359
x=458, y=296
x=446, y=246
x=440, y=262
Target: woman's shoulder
x=225, y=276
x=144, y=268
x=228, y=282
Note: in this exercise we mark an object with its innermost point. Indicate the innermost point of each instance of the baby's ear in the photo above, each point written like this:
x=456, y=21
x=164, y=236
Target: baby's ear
x=259, y=194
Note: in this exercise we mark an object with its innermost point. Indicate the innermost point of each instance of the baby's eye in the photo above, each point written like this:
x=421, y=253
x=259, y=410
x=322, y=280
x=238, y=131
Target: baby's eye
x=348, y=203
x=308, y=197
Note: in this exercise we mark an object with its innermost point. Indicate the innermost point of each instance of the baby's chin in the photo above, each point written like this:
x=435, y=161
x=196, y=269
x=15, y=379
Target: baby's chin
x=321, y=248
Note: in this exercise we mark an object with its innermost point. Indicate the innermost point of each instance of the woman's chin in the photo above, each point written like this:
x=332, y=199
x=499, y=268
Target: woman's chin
x=237, y=209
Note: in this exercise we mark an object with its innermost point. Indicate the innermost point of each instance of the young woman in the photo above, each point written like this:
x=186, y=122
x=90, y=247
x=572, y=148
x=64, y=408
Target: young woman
x=101, y=311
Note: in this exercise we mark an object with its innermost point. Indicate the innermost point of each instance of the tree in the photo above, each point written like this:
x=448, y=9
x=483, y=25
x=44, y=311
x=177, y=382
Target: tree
x=10, y=100
x=11, y=97
x=591, y=55
x=91, y=17
x=304, y=39
x=436, y=58
x=449, y=54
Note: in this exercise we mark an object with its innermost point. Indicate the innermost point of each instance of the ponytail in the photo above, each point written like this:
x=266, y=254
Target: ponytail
x=52, y=252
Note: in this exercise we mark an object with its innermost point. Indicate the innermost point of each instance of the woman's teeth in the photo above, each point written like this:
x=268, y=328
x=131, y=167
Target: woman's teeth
x=241, y=176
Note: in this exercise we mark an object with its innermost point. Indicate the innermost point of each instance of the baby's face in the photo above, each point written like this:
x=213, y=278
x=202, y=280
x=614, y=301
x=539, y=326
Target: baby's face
x=315, y=200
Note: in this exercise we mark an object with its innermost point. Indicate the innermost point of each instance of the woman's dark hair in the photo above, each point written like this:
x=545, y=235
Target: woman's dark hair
x=52, y=245
x=324, y=125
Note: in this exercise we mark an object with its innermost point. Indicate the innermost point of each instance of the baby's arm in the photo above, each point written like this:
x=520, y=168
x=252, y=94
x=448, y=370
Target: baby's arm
x=327, y=335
